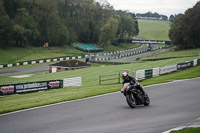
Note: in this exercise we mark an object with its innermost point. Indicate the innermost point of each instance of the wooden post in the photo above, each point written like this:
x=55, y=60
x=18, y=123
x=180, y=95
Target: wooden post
x=119, y=77
x=99, y=79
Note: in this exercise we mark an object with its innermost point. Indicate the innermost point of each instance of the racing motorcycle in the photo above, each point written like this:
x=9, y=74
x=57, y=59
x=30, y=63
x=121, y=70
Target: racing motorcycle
x=134, y=96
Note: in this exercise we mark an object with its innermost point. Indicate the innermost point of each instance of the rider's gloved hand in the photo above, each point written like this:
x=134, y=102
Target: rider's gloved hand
x=135, y=85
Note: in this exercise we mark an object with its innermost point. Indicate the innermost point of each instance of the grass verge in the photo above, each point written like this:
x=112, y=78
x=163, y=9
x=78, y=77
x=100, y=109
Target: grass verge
x=23, y=101
x=90, y=76
x=192, y=72
x=176, y=54
x=14, y=55
x=188, y=130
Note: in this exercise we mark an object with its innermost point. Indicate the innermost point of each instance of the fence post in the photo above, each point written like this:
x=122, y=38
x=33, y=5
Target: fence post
x=102, y=78
x=119, y=77
x=99, y=79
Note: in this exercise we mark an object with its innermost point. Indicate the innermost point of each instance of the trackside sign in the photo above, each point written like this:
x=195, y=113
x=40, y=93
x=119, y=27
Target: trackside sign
x=144, y=41
x=30, y=87
x=148, y=41
x=168, y=69
x=20, y=88
x=10, y=89
x=39, y=86
x=183, y=65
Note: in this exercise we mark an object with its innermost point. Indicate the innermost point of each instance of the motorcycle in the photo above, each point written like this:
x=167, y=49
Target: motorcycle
x=134, y=96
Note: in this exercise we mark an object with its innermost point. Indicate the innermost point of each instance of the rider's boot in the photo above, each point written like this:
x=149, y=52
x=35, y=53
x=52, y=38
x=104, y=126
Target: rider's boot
x=141, y=89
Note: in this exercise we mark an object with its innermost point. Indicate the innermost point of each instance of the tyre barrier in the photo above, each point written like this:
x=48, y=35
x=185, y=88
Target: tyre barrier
x=154, y=72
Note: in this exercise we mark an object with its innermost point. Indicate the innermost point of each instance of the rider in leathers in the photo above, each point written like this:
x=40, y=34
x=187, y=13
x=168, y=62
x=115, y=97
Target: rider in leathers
x=133, y=82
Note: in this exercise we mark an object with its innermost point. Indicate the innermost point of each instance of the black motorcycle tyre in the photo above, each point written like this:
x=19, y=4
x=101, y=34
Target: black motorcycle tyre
x=131, y=100
x=146, y=100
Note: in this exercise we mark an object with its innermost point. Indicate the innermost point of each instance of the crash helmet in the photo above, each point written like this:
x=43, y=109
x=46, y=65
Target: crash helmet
x=124, y=75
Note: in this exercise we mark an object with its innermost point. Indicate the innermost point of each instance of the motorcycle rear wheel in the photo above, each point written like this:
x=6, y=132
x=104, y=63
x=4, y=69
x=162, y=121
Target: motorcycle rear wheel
x=131, y=100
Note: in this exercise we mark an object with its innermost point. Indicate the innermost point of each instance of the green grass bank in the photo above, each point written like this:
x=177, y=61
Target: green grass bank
x=154, y=29
x=188, y=130
x=90, y=86
x=23, y=101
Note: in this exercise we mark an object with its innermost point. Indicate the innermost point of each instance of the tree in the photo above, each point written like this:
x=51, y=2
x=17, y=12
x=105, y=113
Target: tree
x=25, y=28
x=62, y=22
x=50, y=26
x=185, y=31
x=6, y=31
x=173, y=17
x=127, y=26
x=21, y=35
x=2, y=10
x=6, y=27
x=175, y=32
x=108, y=32
x=11, y=7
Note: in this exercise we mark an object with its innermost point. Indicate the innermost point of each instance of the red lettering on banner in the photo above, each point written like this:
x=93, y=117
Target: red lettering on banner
x=7, y=89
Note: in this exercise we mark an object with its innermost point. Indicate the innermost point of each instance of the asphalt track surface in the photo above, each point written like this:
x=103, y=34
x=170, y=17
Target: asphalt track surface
x=136, y=57
x=172, y=105
x=27, y=69
x=46, y=66
x=124, y=52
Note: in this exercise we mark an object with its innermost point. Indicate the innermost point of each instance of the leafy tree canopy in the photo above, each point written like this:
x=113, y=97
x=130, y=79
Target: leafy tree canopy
x=185, y=30
x=62, y=22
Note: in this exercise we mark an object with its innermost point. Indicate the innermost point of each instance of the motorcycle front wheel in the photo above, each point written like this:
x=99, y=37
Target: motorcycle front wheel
x=146, y=100
x=131, y=100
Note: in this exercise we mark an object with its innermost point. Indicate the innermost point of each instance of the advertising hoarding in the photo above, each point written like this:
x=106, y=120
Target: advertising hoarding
x=10, y=89
x=183, y=65
x=168, y=69
x=30, y=87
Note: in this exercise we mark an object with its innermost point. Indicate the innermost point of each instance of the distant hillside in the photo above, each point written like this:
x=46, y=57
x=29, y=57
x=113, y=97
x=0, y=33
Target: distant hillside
x=154, y=29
